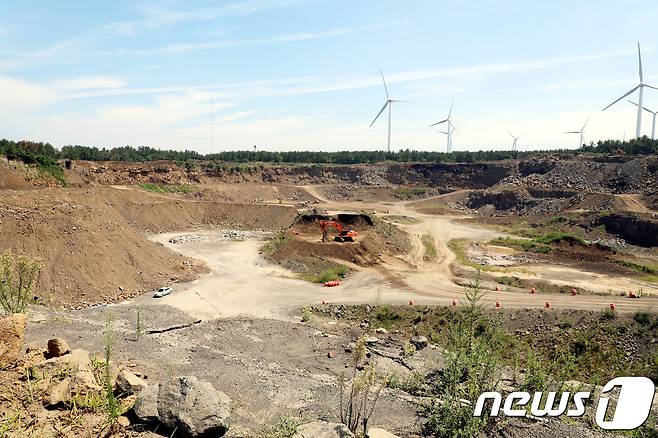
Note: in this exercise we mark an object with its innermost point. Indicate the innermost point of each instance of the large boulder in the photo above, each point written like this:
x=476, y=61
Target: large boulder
x=12, y=330
x=193, y=407
x=323, y=429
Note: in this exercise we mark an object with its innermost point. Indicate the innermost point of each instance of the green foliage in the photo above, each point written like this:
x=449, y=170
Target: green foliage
x=430, y=248
x=113, y=408
x=409, y=192
x=358, y=398
x=471, y=362
x=41, y=155
x=560, y=236
x=334, y=273
x=536, y=374
x=637, y=267
x=17, y=278
x=526, y=245
x=284, y=427
x=166, y=188
x=608, y=314
x=275, y=242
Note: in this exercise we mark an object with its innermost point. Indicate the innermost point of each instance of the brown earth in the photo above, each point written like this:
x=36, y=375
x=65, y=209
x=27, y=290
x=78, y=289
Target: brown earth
x=92, y=244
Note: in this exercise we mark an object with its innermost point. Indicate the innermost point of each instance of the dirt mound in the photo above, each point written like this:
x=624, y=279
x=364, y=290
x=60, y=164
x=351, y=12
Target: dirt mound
x=15, y=175
x=301, y=248
x=91, y=240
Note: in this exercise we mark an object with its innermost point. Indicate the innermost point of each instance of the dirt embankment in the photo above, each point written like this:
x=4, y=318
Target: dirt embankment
x=449, y=176
x=301, y=249
x=634, y=228
x=92, y=244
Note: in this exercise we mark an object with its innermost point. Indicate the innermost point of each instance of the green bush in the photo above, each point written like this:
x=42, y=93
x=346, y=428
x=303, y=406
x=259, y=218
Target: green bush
x=330, y=274
x=17, y=278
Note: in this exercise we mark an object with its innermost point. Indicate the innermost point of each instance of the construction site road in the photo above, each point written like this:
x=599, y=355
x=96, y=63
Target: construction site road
x=241, y=282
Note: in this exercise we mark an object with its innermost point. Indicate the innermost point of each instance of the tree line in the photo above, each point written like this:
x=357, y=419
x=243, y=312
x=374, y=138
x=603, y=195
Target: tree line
x=45, y=155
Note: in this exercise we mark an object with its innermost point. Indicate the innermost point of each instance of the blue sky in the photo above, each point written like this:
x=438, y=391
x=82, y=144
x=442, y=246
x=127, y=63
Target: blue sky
x=303, y=74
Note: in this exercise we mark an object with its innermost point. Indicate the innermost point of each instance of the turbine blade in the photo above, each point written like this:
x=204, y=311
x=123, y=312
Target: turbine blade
x=384, y=81
x=379, y=113
x=644, y=107
x=394, y=100
x=650, y=86
x=639, y=58
x=452, y=104
x=510, y=134
x=632, y=90
x=586, y=122
x=572, y=132
x=438, y=123
x=443, y=132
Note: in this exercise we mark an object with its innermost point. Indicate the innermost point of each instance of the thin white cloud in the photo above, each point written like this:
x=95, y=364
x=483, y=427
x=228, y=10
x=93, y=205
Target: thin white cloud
x=287, y=38
x=159, y=18
x=312, y=85
x=89, y=83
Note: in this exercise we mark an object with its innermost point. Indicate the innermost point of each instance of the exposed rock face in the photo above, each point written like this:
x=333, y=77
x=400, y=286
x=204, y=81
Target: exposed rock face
x=12, y=330
x=192, y=407
x=323, y=429
x=57, y=347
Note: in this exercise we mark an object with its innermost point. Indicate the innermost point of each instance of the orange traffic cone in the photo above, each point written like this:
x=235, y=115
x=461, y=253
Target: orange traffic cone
x=612, y=307
x=411, y=302
x=533, y=291
x=497, y=305
x=547, y=305
x=496, y=289
x=574, y=292
x=454, y=303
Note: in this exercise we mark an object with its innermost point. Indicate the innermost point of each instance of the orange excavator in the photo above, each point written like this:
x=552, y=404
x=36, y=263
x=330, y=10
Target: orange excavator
x=345, y=234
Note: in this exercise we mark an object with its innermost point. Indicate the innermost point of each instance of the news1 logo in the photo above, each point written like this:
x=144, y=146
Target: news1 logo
x=632, y=409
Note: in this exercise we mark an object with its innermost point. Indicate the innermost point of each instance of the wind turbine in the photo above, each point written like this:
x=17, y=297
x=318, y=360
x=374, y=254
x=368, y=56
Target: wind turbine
x=450, y=129
x=653, y=127
x=389, y=103
x=581, y=132
x=516, y=139
x=640, y=86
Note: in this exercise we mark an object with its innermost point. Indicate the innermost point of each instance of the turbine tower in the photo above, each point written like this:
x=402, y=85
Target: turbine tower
x=450, y=127
x=581, y=132
x=640, y=86
x=653, y=126
x=389, y=103
x=515, y=146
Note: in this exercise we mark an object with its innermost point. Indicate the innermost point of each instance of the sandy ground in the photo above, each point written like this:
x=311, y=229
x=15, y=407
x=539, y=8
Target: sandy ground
x=242, y=283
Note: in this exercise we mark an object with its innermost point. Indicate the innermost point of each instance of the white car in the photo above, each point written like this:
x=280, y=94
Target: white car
x=162, y=292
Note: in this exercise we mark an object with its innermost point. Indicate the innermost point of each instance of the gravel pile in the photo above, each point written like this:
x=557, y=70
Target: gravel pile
x=186, y=238
x=233, y=235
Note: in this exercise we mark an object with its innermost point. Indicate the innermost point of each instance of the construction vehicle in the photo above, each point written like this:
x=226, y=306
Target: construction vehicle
x=345, y=234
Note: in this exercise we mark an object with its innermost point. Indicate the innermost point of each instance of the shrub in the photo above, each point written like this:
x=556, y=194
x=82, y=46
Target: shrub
x=471, y=363
x=17, y=278
x=359, y=398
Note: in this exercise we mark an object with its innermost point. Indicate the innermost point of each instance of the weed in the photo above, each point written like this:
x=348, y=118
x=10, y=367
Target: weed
x=334, y=273
x=359, y=398
x=17, y=278
x=430, y=248
x=608, y=314
x=409, y=192
x=307, y=314
x=275, y=242
x=167, y=188
x=284, y=427
x=471, y=364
